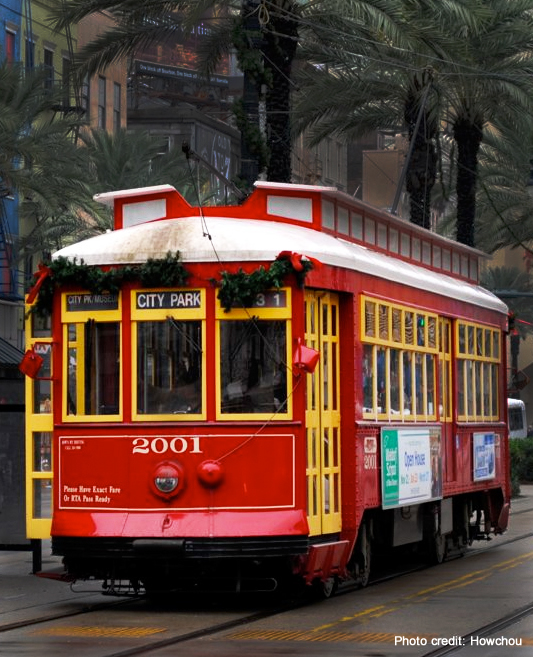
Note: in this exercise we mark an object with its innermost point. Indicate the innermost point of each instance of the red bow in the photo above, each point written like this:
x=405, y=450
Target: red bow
x=40, y=275
x=296, y=259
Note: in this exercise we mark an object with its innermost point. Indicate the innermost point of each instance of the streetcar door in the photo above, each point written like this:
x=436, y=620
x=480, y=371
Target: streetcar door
x=445, y=398
x=323, y=414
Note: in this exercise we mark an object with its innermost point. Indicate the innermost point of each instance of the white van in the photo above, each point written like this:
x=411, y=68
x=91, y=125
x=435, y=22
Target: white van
x=516, y=417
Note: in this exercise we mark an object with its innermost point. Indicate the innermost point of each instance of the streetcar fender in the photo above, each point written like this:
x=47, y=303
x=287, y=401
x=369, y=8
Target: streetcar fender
x=326, y=560
x=503, y=519
x=59, y=574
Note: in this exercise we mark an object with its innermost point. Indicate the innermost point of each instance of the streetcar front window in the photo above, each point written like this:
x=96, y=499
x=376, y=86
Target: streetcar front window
x=169, y=367
x=253, y=365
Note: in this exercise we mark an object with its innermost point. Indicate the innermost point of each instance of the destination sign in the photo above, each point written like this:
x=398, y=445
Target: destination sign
x=84, y=302
x=168, y=300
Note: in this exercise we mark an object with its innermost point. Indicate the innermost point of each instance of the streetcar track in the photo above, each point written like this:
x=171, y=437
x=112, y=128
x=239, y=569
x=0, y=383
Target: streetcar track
x=86, y=609
x=197, y=634
x=295, y=603
x=485, y=631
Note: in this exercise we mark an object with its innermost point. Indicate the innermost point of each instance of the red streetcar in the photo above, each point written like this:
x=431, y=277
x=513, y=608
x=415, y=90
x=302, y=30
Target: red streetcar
x=243, y=396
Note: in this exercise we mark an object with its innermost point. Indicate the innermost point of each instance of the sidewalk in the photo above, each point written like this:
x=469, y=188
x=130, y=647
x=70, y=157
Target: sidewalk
x=21, y=591
x=524, y=500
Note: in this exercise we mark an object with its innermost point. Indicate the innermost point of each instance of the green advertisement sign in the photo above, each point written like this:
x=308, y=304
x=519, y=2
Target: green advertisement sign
x=411, y=465
x=390, y=467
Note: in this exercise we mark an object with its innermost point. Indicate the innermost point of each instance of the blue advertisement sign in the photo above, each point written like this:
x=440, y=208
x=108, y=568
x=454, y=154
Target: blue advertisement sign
x=484, y=456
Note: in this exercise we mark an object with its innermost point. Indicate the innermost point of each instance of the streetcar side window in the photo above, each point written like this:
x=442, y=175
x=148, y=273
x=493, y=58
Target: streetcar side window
x=399, y=351
x=169, y=367
x=478, y=359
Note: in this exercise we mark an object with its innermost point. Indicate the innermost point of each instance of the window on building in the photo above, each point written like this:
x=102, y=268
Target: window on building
x=10, y=46
x=30, y=54
x=65, y=74
x=102, y=102
x=86, y=97
x=116, y=106
x=48, y=59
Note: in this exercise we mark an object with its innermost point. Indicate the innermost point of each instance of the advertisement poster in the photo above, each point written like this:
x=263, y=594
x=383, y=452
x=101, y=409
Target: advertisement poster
x=411, y=466
x=484, y=457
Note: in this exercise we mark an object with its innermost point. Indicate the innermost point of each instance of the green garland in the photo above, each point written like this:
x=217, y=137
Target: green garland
x=155, y=272
x=236, y=289
x=241, y=289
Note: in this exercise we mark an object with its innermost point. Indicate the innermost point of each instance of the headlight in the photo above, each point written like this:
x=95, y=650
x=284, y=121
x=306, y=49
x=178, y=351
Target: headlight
x=168, y=480
x=166, y=484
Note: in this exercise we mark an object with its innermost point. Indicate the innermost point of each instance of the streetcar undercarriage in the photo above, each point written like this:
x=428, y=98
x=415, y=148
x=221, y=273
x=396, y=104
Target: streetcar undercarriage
x=435, y=530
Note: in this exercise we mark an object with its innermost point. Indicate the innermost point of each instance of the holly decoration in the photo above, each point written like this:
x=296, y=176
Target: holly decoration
x=155, y=272
x=238, y=289
x=241, y=289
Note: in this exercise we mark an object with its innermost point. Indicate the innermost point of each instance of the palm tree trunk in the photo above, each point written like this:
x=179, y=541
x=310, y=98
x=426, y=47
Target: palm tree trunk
x=279, y=48
x=250, y=99
x=422, y=165
x=421, y=172
x=468, y=134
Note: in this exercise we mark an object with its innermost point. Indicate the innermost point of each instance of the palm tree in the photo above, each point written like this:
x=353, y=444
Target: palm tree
x=40, y=166
x=388, y=81
x=265, y=51
x=38, y=156
x=489, y=80
x=123, y=160
x=504, y=205
x=509, y=283
x=480, y=56
x=264, y=33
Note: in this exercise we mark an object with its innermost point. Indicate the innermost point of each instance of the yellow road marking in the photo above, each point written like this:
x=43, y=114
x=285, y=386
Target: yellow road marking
x=100, y=631
x=336, y=637
x=424, y=594
x=330, y=637
x=326, y=631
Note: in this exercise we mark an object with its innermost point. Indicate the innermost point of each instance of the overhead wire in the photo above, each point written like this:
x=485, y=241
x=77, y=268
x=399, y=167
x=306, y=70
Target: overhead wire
x=251, y=318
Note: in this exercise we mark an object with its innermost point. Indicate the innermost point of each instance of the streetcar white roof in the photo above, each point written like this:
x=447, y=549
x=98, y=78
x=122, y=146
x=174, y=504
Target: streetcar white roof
x=224, y=239
x=108, y=198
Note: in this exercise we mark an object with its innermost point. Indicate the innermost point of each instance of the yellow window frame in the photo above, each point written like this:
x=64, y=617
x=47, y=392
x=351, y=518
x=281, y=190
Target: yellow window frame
x=260, y=313
x=377, y=329
x=466, y=355
x=445, y=358
x=36, y=423
x=161, y=314
x=79, y=318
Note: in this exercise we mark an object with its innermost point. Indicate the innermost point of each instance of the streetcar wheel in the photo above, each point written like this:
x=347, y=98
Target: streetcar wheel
x=327, y=589
x=437, y=550
x=365, y=558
